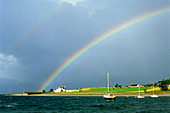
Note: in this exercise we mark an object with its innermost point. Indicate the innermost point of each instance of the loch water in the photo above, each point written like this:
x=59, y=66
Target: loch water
x=9, y=104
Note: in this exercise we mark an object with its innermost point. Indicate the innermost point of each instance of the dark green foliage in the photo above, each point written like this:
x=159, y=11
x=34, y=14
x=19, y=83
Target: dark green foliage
x=43, y=91
x=167, y=81
x=116, y=85
x=155, y=84
x=164, y=87
x=120, y=86
x=51, y=90
x=148, y=85
x=144, y=90
x=164, y=84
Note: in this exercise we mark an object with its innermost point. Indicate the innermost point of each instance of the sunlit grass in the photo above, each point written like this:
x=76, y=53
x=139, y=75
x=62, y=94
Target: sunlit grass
x=116, y=90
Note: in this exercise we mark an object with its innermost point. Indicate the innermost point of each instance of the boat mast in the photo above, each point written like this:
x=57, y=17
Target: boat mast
x=139, y=89
x=108, y=81
x=153, y=89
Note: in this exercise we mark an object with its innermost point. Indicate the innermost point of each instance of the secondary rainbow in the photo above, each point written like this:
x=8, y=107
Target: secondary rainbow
x=99, y=39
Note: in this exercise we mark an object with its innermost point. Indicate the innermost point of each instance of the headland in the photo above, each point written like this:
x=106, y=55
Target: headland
x=100, y=91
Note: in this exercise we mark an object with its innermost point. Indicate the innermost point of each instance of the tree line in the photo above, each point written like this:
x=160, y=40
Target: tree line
x=163, y=84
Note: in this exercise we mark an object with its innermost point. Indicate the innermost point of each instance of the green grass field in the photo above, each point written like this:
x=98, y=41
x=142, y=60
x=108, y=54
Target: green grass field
x=114, y=90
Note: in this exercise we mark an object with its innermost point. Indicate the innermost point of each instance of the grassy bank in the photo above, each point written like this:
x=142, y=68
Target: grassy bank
x=122, y=90
x=99, y=91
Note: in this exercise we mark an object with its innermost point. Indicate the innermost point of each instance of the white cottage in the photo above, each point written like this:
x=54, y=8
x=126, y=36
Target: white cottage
x=60, y=89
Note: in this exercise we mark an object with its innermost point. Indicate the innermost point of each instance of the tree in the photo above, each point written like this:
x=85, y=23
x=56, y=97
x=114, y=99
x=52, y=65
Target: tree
x=51, y=90
x=120, y=86
x=162, y=84
x=148, y=85
x=155, y=84
x=163, y=87
x=116, y=85
x=144, y=90
x=43, y=91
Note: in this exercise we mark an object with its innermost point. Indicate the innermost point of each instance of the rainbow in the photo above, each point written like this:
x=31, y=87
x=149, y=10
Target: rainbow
x=98, y=40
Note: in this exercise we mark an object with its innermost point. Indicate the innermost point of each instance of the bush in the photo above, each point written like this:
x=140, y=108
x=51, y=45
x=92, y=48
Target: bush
x=164, y=87
x=144, y=90
x=51, y=90
x=116, y=85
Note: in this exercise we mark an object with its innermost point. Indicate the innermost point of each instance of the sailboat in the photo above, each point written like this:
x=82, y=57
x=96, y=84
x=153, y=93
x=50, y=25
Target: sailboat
x=154, y=96
x=109, y=96
x=140, y=95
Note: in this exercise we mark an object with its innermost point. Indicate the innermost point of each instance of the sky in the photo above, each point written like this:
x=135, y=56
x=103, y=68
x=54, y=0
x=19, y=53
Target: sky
x=38, y=36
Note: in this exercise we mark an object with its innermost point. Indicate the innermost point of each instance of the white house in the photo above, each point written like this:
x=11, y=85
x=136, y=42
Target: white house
x=63, y=89
x=134, y=85
x=60, y=89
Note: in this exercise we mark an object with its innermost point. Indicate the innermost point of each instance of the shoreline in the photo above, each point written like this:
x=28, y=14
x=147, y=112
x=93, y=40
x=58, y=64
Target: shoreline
x=91, y=94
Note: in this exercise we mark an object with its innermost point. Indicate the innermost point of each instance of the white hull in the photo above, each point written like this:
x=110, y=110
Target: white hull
x=154, y=96
x=108, y=97
x=139, y=96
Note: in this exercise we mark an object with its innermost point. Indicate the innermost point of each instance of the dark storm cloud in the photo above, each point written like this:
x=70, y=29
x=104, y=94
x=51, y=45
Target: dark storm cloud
x=138, y=54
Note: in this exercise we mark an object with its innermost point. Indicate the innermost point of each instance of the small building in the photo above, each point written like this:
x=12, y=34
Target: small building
x=134, y=85
x=60, y=89
x=69, y=90
x=72, y=90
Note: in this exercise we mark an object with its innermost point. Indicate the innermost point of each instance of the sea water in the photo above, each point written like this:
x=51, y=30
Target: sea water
x=84, y=105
